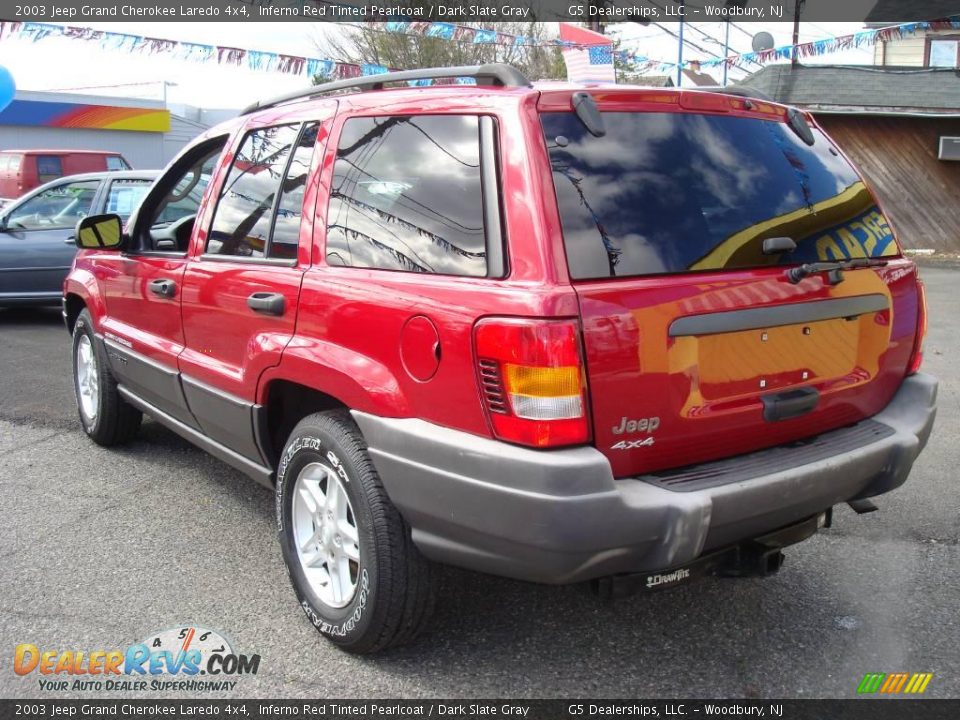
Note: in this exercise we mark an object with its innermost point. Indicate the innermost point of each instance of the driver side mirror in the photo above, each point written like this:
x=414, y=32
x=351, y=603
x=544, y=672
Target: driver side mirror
x=100, y=232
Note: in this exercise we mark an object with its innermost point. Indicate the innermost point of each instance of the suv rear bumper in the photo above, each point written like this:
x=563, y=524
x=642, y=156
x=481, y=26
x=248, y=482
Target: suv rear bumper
x=559, y=516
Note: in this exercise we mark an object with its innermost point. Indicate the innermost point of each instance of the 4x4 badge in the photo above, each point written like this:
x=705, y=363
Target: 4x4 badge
x=631, y=444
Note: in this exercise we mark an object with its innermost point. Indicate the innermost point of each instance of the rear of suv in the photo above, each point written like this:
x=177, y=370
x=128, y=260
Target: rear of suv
x=556, y=333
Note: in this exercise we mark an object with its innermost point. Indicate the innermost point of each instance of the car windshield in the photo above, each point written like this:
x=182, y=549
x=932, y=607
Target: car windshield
x=57, y=207
x=681, y=192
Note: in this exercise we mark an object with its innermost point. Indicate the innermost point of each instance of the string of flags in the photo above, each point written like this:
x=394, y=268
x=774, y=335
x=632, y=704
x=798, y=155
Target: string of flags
x=266, y=61
x=864, y=38
x=261, y=60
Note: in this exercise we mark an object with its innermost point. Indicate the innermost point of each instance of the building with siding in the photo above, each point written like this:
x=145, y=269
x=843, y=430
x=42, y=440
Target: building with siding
x=145, y=132
x=890, y=121
x=924, y=48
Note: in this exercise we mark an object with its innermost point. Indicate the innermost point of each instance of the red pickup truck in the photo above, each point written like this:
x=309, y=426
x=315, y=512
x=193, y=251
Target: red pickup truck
x=551, y=332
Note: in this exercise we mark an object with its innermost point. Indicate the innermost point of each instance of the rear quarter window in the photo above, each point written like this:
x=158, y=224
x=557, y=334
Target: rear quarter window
x=407, y=195
x=681, y=192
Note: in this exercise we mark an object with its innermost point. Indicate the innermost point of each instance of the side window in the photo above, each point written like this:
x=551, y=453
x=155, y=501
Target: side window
x=125, y=195
x=49, y=168
x=58, y=207
x=184, y=199
x=115, y=162
x=286, y=228
x=165, y=218
x=241, y=222
x=406, y=195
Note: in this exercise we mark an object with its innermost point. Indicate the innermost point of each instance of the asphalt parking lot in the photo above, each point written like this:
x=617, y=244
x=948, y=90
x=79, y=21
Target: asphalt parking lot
x=99, y=549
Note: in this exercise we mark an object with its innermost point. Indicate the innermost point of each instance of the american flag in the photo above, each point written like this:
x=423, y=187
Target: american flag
x=591, y=60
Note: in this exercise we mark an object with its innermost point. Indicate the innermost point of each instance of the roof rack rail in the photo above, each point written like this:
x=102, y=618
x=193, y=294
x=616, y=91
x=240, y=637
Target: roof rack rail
x=491, y=74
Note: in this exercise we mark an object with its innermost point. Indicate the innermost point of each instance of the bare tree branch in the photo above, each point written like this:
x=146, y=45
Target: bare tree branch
x=371, y=43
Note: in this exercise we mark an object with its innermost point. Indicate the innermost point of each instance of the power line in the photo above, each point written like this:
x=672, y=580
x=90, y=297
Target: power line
x=692, y=44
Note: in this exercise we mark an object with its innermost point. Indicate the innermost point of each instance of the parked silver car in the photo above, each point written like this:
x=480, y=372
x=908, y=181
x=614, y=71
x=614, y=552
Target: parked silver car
x=37, y=230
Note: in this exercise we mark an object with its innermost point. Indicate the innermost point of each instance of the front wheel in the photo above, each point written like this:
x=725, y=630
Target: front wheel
x=105, y=416
x=351, y=560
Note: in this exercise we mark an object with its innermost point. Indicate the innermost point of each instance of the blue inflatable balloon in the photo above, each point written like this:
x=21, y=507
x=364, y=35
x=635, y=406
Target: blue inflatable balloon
x=7, y=88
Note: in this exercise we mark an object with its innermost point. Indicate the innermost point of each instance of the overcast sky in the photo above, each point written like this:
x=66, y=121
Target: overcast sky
x=62, y=64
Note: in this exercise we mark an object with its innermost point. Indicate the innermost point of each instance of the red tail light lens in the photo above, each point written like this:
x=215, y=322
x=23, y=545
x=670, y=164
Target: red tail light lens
x=916, y=359
x=531, y=375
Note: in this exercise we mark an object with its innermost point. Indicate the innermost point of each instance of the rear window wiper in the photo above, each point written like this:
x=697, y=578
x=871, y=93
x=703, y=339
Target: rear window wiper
x=834, y=270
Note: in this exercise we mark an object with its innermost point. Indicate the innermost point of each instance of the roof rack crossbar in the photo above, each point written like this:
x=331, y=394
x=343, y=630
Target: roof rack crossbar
x=491, y=74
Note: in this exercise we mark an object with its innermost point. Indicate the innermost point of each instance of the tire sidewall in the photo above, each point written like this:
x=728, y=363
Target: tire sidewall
x=316, y=445
x=83, y=328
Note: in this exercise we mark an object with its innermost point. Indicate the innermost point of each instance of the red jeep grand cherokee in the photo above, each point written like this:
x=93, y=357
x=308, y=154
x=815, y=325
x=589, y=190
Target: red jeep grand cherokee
x=551, y=332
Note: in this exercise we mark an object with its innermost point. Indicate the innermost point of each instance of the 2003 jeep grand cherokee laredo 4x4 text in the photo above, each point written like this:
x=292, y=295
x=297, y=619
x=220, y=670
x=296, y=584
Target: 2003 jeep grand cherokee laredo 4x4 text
x=555, y=333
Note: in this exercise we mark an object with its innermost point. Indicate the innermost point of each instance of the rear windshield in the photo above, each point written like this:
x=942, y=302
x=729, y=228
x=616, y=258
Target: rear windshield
x=681, y=192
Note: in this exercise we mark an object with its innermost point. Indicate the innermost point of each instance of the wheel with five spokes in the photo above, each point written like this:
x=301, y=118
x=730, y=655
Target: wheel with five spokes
x=357, y=574
x=105, y=416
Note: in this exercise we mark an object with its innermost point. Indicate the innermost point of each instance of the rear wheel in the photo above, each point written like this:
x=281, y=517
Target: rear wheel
x=355, y=570
x=105, y=416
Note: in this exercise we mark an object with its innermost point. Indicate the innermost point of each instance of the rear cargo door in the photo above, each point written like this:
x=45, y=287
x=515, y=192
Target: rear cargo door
x=698, y=346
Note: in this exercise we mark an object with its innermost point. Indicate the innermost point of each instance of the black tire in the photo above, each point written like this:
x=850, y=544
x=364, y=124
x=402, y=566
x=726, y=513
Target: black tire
x=394, y=594
x=114, y=420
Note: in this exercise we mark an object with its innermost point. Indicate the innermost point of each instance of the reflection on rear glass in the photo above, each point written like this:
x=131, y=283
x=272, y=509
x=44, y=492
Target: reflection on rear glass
x=675, y=192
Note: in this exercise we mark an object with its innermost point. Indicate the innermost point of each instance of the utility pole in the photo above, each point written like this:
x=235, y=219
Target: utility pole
x=595, y=25
x=680, y=52
x=798, y=4
x=726, y=50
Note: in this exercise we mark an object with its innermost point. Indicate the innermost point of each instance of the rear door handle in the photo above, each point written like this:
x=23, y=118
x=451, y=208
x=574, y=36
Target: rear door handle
x=163, y=288
x=789, y=404
x=267, y=303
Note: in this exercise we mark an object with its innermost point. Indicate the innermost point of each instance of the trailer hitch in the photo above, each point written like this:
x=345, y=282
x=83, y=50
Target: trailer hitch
x=759, y=557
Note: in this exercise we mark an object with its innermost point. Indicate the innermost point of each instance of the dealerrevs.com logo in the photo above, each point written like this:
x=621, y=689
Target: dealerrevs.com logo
x=186, y=658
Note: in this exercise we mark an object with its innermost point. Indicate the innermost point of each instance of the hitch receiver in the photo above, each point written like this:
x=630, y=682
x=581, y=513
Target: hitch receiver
x=758, y=557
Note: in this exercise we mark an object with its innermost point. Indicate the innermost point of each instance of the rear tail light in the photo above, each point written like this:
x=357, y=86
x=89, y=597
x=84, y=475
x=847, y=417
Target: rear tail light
x=532, y=379
x=916, y=359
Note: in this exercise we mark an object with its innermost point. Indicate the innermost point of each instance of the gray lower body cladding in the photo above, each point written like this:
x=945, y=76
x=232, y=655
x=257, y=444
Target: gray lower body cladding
x=560, y=516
